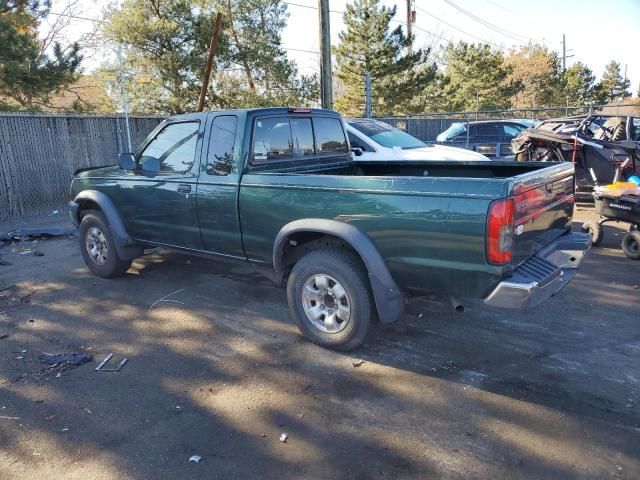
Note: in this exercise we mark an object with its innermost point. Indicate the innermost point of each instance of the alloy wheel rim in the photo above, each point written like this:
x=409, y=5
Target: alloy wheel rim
x=326, y=303
x=96, y=244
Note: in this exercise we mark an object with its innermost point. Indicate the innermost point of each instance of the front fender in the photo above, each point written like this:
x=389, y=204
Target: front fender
x=387, y=295
x=126, y=247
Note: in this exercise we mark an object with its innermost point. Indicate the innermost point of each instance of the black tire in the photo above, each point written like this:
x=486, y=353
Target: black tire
x=631, y=245
x=595, y=230
x=346, y=270
x=109, y=265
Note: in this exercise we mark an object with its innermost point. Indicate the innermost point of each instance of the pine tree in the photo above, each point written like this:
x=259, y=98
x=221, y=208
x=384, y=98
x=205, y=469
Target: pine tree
x=613, y=87
x=475, y=78
x=368, y=44
x=29, y=75
x=169, y=42
x=579, y=85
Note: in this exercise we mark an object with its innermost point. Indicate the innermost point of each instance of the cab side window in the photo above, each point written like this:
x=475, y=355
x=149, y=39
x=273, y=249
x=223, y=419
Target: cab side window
x=173, y=150
x=221, y=144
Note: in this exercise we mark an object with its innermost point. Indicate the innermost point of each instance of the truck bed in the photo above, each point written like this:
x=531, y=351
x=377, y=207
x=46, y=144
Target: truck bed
x=427, y=218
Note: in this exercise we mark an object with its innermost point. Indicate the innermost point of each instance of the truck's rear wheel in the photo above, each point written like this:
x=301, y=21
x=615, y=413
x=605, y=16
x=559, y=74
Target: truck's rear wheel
x=98, y=248
x=330, y=299
x=631, y=245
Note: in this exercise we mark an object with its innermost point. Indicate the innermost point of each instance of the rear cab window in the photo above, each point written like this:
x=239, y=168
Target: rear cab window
x=294, y=138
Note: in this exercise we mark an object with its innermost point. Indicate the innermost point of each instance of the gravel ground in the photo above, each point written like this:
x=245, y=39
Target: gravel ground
x=221, y=372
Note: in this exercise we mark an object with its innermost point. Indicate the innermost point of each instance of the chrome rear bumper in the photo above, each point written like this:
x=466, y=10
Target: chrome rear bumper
x=543, y=275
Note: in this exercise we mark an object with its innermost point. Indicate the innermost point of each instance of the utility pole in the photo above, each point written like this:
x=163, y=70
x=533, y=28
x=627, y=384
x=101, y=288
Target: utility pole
x=212, y=50
x=367, y=94
x=411, y=19
x=123, y=93
x=564, y=53
x=326, y=78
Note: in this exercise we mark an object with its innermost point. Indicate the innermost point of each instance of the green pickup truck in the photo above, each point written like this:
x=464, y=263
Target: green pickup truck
x=277, y=188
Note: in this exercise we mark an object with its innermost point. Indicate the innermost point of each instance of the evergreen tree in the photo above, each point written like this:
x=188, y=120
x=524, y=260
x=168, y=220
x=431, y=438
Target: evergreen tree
x=537, y=70
x=368, y=44
x=29, y=74
x=169, y=42
x=475, y=78
x=579, y=85
x=613, y=87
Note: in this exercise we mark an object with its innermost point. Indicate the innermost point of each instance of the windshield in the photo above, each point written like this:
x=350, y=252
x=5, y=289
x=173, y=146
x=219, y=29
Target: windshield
x=454, y=130
x=386, y=135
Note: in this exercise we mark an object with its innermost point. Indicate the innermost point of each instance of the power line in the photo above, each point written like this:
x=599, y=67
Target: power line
x=460, y=30
x=500, y=30
x=311, y=7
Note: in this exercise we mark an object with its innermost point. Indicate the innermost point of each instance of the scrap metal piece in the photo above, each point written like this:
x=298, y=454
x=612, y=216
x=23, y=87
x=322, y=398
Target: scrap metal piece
x=101, y=365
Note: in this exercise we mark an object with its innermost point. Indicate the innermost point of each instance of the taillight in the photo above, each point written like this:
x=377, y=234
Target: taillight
x=500, y=232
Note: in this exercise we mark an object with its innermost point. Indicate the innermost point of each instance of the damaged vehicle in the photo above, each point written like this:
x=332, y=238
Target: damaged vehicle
x=597, y=145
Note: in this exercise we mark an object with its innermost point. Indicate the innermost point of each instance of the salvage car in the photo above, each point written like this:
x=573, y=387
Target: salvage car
x=277, y=189
x=375, y=140
x=598, y=145
x=489, y=137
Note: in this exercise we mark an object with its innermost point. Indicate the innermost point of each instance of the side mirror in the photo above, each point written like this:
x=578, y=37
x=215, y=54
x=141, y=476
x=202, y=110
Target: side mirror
x=357, y=151
x=126, y=161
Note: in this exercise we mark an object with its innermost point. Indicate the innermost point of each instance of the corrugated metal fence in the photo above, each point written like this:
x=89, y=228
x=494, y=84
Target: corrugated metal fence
x=39, y=153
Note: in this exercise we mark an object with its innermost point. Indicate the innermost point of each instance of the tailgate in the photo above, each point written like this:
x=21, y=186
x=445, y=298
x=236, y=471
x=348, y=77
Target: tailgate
x=543, y=204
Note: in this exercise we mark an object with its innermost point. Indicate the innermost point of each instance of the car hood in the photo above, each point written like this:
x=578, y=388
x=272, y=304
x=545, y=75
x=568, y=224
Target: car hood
x=99, y=172
x=438, y=152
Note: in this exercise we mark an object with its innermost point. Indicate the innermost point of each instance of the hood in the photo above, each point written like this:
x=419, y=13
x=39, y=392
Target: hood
x=110, y=171
x=438, y=152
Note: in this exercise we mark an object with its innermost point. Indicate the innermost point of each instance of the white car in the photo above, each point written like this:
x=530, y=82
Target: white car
x=380, y=141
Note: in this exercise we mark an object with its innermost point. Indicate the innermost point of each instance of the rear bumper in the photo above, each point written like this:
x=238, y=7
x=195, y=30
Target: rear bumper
x=543, y=275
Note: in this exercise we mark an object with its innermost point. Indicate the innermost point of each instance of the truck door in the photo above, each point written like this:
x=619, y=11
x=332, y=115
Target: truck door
x=157, y=199
x=218, y=188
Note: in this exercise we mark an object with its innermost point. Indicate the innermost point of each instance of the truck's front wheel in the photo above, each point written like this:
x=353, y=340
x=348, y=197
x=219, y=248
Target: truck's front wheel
x=330, y=299
x=98, y=248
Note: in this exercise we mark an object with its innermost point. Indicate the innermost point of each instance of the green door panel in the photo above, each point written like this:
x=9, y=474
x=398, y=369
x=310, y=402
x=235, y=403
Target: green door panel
x=217, y=199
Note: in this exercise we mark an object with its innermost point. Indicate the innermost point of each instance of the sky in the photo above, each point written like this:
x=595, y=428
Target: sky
x=596, y=31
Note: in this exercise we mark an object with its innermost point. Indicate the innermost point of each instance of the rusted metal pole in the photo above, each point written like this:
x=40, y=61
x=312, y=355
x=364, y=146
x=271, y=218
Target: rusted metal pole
x=212, y=51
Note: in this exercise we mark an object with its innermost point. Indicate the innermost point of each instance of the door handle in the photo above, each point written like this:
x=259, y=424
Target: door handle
x=184, y=188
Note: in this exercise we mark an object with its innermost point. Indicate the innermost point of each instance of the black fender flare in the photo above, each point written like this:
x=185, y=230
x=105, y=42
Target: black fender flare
x=126, y=247
x=386, y=293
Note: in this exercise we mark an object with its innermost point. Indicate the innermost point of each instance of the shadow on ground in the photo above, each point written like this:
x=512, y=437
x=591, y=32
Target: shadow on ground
x=220, y=371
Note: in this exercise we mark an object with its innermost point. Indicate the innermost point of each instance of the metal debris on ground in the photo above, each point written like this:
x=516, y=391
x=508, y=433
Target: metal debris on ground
x=65, y=361
x=195, y=458
x=357, y=363
x=3, y=336
x=283, y=438
x=103, y=363
x=21, y=234
x=9, y=418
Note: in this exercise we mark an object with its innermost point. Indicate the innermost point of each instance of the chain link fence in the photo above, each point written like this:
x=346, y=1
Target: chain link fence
x=491, y=132
x=40, y=152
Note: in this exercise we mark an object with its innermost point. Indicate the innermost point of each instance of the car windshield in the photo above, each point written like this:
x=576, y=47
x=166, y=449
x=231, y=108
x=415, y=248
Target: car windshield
x=453, y=131
x=386, y=135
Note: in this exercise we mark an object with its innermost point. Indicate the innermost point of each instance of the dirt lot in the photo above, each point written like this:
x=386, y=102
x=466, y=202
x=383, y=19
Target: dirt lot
x=551, y=393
